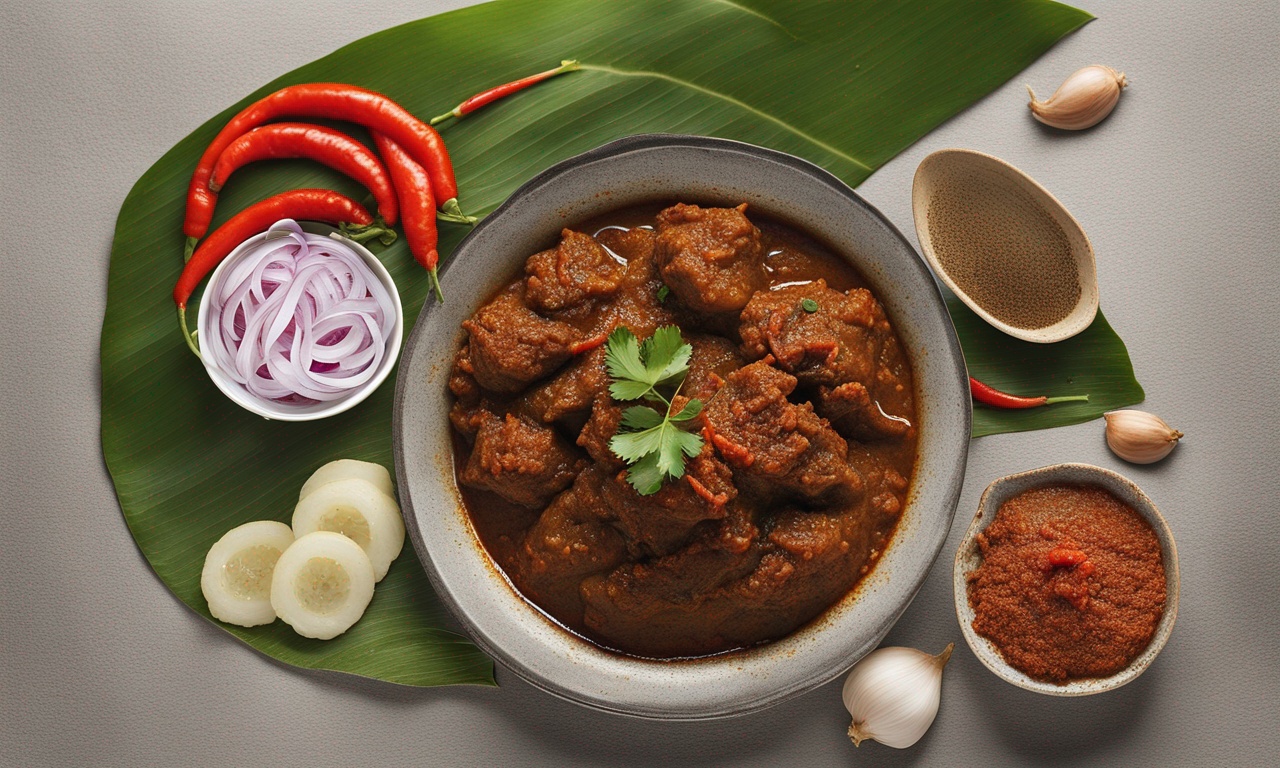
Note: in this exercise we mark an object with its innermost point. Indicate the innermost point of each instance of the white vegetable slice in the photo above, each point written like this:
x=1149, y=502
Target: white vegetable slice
x=347, y=469
x=356, y=509
x=236, y=580
x=323, y=583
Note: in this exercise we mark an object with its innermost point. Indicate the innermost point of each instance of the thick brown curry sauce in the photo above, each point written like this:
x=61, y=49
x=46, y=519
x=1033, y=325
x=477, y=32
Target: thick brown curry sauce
x=810, y=427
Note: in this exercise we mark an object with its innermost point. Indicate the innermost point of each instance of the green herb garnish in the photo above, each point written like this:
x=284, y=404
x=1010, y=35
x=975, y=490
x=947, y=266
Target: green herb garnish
x=649, y=439
x=809, y=305
x=663, y=293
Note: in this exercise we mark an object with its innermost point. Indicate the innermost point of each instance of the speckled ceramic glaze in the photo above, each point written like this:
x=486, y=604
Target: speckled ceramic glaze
x=968, y=558
x=709, y=171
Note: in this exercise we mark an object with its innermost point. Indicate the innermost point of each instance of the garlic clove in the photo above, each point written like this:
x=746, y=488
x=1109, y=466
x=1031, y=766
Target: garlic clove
x=1083, y=99
x=893, y=695
x=1140, y=437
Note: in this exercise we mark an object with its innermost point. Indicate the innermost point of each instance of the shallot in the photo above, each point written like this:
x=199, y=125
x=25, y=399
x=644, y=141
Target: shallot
x=299, y=319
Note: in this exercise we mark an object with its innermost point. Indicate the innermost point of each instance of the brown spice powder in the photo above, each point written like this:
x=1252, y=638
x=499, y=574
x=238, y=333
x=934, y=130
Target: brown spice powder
x=1071, y=585
x=1003, y=249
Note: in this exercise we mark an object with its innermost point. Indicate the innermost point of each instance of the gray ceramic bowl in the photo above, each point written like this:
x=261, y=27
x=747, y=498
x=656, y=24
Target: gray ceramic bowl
x=690, y=169
x=968, y=558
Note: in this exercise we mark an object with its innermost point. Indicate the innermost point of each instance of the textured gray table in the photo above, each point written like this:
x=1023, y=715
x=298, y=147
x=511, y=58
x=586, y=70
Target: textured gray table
x=100, y=665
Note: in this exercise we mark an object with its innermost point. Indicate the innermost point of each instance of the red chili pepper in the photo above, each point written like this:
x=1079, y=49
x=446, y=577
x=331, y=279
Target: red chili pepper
x=300, y=204
x=586, y=345
x=335, y=101
x=314, y=142
x=997, y=399
x=417, y=206
x=500, y=91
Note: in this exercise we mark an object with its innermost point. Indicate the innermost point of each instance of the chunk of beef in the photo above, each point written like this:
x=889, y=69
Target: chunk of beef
x=856, y=413
x=511, y=346
x=843, y=348
x=713, y=358
x=571, y=392
x=636, y=305
x=569, y=542
x=675, y=605
x=601, y=426
x=780, y=446
x=660, y=523
x=570, y=275
x=522, y=461
x=837, y=342
x=711, y=258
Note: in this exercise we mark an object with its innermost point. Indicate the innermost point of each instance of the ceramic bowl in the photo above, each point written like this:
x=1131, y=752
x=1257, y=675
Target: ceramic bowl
x=998, y=172
x=710, y=171
x=968, y=558
x=268, y=409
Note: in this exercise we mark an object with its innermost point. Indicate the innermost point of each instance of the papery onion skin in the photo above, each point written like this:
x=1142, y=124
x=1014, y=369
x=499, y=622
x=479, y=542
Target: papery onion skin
x=298, y=319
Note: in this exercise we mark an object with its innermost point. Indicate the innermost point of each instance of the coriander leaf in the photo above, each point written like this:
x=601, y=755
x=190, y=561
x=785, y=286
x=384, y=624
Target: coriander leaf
x=645, y=476
x=690, y=442
x=625, y=389
x=809, y=305
x=665, y=354
x=622, y=356
x=633, y=446
x=663, y=293
x=676, y=445
x=689, y=411
x=640, y=417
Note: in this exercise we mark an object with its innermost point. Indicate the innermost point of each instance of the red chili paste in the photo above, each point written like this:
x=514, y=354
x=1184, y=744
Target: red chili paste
x=1071, y=585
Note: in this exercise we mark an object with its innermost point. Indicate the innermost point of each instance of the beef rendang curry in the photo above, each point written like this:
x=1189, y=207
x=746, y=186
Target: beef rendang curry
x=809, y=420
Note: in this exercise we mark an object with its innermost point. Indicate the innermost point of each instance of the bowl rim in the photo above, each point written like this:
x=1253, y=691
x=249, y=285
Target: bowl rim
x=512, y=662
x=1071, y=325
x=241, y=397
x=1068, y=473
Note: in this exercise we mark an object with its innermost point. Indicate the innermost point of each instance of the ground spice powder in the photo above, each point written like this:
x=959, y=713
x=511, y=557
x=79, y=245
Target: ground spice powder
x=1071, y=584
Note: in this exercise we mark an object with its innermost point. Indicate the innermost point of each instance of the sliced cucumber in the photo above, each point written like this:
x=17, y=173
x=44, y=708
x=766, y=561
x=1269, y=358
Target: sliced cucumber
x=356, y=509
x=237, y=575
x=345, y=469
x=323, y=584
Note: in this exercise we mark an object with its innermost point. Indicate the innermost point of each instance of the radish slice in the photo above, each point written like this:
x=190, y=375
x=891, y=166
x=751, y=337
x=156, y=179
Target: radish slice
x=323, y=583
x=344, y=469
x=356, y=509
x=238, y=570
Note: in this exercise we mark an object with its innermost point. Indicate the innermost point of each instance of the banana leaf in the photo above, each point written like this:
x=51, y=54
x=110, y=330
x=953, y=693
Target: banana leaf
x=845, y=84
x=1094, y=363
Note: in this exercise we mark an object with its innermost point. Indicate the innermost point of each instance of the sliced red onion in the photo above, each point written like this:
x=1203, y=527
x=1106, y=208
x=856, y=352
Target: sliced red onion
x=299, y=319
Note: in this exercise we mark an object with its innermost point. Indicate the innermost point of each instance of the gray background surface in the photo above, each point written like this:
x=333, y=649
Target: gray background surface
x=1179, y=191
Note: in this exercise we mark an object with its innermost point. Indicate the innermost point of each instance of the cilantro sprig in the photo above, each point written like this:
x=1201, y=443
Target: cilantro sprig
x=650, y=439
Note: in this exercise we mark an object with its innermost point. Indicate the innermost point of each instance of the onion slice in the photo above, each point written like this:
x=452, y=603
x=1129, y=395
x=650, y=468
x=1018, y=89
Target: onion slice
x=299, y=319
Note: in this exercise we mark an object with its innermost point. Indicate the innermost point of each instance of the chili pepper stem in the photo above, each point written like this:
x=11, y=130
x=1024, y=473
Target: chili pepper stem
x=455, y=112
x=377, y=230
x=189, y=249
x=451, y=211
x=187, y=335
x=1066, y=399
x=433, y=277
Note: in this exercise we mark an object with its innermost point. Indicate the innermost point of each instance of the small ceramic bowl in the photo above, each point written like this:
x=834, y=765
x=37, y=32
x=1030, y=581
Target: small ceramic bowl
x=970, y=163
x=709, y=171
x=279, y=411
x=969, y=557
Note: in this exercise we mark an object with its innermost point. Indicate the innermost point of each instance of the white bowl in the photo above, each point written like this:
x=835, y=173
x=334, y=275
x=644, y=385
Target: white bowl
x=268, y=409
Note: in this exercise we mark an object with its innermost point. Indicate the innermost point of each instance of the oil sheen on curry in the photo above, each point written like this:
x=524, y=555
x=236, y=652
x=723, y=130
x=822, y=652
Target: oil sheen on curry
x=809, y=420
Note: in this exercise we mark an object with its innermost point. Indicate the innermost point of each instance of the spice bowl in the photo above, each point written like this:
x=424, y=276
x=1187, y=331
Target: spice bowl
x=969, y=557
x=278, y=411
x=941, y=174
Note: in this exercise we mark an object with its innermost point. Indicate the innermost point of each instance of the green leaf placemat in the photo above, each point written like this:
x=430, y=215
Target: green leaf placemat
x=845, y=84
